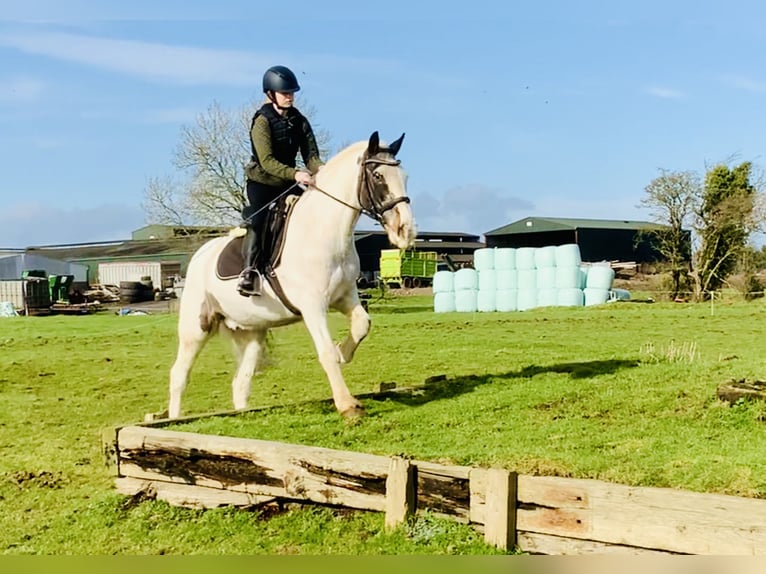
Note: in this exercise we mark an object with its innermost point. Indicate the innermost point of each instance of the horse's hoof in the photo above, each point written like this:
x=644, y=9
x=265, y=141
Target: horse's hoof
x=353, y=414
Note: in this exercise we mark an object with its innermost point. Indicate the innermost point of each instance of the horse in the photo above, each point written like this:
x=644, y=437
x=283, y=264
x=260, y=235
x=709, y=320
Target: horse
x=317, y=272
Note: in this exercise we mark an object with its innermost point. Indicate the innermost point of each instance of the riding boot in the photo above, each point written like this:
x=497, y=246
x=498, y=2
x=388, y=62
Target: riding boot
x=250, y=278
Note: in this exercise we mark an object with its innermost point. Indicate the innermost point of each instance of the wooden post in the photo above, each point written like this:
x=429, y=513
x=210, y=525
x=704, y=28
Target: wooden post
x=401, y=491
x=500, y=508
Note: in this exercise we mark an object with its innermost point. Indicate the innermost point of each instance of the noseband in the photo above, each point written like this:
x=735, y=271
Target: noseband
x=372, y=186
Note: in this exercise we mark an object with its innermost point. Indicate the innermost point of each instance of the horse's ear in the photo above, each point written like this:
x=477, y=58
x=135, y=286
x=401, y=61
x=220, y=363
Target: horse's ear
x=374, y=144
x=394, y=147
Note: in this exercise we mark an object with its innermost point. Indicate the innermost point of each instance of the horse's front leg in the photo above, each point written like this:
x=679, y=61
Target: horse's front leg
x=330, y=359
x=359, y=326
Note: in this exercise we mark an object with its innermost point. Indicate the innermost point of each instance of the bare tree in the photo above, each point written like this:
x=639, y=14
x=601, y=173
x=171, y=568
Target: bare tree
x=209, y=184
x=672, y=198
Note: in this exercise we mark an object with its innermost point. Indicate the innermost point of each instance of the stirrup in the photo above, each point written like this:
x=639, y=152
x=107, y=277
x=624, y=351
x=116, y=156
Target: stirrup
x=249, y=283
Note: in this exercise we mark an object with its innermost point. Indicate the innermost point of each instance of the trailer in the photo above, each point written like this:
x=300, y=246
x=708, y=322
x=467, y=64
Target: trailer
x=407, y=268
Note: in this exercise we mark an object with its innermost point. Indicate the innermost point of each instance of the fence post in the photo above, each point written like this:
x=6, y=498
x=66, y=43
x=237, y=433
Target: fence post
x=500, y=509
x=401, y=491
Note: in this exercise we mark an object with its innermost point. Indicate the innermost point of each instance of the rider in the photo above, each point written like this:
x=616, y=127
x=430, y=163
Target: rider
x=278, y=131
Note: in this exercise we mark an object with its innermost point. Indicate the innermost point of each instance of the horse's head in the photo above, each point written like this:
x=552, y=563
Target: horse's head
x=383, y=191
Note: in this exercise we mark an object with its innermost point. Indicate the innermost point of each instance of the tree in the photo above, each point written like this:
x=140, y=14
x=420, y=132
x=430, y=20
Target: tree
x=729, y=213
x=209, y=186
x=672, y=198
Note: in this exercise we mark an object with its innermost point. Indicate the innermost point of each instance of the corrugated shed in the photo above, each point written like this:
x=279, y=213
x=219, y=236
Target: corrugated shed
x=544, y=224
x=13, y=266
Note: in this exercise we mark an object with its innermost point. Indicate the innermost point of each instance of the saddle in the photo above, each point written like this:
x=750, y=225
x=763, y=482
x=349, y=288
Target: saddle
x=231, y=260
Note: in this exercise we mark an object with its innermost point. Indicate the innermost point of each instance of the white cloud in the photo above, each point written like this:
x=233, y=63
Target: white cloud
x=746, y=84
x=665, y=93
x=20, y=90
x=469, y=209
x=151, y=61
x=33, y=224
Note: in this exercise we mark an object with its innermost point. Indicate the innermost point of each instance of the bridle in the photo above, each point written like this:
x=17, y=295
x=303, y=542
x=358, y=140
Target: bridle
x=370, y=187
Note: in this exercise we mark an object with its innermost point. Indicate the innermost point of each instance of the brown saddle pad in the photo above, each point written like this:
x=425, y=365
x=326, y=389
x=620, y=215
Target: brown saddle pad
x=231, y=261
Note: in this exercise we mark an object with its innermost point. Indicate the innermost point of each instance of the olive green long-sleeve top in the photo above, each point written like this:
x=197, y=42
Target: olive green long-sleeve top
x=269, y=170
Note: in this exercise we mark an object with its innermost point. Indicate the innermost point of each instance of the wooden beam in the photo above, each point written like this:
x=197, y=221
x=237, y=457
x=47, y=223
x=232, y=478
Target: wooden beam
x=500, y=509
x=189, y=496
x=401, y=487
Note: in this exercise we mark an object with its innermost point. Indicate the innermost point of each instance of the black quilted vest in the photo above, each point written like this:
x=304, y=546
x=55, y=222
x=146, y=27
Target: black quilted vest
x=285, y=133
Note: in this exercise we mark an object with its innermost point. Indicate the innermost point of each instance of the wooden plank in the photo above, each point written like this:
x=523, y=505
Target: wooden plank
x=478, y=495
x=534, y=543
x=297, y=472
x=401, y=487
x=500, y=508
x=189, y=496
x=443, y=490
x=655, y=518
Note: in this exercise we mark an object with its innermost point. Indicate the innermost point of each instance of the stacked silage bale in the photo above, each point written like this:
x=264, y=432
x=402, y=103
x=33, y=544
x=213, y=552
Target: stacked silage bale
x=506, y=279
x=570, y=276
x=466, y=290
x=545, y=264
x=598, y=284
x=526, y=268
x=484, y=263
x=443, y=286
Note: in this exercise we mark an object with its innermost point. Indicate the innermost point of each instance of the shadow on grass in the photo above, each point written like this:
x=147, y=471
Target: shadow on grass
x=450, y=388
x=383, y=310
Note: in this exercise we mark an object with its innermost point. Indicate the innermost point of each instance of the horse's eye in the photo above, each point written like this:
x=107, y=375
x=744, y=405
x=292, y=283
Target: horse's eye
x=378, y=177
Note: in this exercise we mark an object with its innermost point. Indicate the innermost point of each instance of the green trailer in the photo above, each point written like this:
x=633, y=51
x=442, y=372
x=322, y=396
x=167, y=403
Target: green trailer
x=407, y=268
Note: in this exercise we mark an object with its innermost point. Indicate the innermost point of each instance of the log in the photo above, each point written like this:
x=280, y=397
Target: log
x=732, y=391
x=265, y=468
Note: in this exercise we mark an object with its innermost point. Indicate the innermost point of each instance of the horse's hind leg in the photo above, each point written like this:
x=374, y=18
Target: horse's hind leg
x=248, y=346
x=358, y=329
x=194, y=329
x=330, y=359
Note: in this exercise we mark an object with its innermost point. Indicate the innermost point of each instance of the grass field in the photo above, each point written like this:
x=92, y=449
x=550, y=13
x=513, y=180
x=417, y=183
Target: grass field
x=622, y=392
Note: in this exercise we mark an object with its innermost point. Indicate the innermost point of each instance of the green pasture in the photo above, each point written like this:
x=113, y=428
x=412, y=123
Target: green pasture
x=624, y=392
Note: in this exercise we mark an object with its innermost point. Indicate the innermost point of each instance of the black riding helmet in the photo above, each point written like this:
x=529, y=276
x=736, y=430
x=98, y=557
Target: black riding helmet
x=280, y=79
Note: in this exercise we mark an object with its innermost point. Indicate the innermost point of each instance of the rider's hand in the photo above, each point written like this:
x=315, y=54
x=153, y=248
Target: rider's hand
x=303, y=177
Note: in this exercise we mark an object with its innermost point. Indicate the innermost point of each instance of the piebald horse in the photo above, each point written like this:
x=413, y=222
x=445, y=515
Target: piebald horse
x=318, y=270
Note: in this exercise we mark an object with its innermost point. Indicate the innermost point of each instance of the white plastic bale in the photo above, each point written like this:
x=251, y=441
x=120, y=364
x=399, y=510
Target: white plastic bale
x=600, y=277
x=466, y=279
x=484, y=259
x=571, y=298
x=545, y=256
x=547, y=297
x=486, y=301
x=569, y=277
x=505, y=258
x=527, y=279
x=487, y=280
x=546, y=278
x=525, y=258
x=507, y=279
x=444, y=302
x=506, y=300
x=595, y=296
x=526, y=299
x=466, y=301
x=443, y=282
x=568, y=255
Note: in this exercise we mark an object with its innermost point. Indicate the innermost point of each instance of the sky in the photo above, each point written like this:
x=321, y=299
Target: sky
x=511, y=109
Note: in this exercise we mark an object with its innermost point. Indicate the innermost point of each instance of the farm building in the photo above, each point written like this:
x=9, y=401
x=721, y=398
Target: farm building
x=458, y=246
x=168, y=250
x=598, y=239
x=13, y=265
